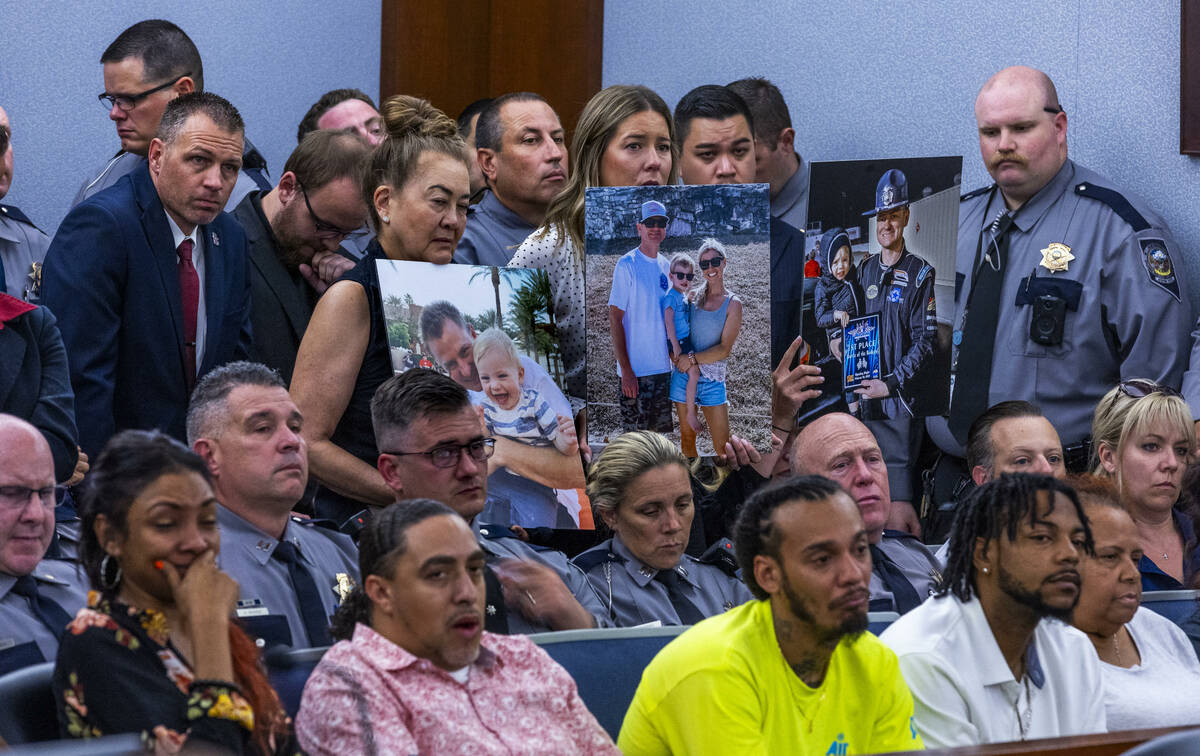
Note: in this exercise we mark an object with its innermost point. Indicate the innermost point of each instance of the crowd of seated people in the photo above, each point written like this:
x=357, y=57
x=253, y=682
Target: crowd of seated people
x=200, y=422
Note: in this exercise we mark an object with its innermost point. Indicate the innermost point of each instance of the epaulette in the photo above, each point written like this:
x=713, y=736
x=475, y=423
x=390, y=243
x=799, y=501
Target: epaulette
x=596, y=557
x=315, y=522
x=976, y=192
x=926, y=269
x=900, y=534
x=15, y=213
x=496, y=532
x=1116, y=201
x=721, y=555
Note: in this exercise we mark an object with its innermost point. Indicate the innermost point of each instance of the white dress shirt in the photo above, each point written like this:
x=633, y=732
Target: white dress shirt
x=965, y=693
x=198, y=262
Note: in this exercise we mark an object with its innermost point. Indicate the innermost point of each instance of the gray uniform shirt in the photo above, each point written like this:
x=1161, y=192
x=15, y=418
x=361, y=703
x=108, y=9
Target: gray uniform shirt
x=24, y=640
x=126, y=162
x=918, y=564
x=21, y=245
x=791, y=204
x=492, y=235
x=633, y=597
x=499, y=543
x=267, y=602
x=1133, y=315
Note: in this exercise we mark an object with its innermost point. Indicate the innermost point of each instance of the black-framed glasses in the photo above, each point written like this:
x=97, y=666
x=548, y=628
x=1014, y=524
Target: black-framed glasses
x=1136, y=388
x=5, y=138
x=15, y=498
x=683, y=276
x=127, y=103
x=448, y=455
x=712, y=262
x=323, y=228
x=655, y=222
x=1054, y=111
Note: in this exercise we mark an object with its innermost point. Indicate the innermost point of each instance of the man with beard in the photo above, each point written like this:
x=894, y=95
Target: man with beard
x=1013, y=568
x=292, y=237
x=720, y=688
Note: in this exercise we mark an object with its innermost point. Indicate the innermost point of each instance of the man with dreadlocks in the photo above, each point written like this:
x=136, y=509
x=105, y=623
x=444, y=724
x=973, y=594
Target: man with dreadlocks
x=990, y=658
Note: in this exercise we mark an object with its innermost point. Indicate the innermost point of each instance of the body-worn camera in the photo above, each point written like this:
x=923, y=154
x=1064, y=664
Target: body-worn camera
x=1049, y=317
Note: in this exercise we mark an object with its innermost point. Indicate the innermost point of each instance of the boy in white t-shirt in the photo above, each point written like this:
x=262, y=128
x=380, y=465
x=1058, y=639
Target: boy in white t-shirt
x=640, y=279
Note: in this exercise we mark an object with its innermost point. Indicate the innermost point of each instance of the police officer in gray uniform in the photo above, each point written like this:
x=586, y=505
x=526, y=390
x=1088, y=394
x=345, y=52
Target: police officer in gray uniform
x=292, y=573
x=639, y=485
x=38, y=596
x=1064, y=286
x=145, y=67
x=22, y=244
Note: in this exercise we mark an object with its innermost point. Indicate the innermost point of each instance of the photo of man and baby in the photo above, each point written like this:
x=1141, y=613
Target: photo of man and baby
x=678, y=314
x=490, y=330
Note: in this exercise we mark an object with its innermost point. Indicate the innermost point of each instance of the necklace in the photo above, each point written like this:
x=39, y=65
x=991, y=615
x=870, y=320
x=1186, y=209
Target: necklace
x=1117, y=648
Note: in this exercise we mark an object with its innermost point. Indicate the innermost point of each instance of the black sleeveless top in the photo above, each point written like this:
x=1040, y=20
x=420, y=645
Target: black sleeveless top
x=355, y=433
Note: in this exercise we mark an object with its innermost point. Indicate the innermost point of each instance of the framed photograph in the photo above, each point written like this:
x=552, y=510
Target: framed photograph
x=679, y=314
x=885, y=234
x=492, y=331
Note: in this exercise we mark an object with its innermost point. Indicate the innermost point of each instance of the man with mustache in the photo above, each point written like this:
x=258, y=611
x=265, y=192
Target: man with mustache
x=1065, y=285
x=522, y=153
x=792, y=672
x=291, y=573
x=991, y=658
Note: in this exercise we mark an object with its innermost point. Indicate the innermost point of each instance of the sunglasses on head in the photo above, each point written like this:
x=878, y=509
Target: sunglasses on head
x=1137, y=388
x=682, y=276
x=655, y=222
x=712, y=262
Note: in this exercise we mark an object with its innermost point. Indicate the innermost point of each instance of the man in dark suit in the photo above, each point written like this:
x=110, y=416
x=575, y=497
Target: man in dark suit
x=149, y=278
x=292, y=238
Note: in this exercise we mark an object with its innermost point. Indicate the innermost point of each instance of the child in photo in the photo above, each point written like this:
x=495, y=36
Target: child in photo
x=510, y=411
x=677, y=309
x=838, y=298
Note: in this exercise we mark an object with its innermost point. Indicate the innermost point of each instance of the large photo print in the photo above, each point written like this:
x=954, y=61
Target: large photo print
x=884, y=233
x=492, y=331
x=678, y=314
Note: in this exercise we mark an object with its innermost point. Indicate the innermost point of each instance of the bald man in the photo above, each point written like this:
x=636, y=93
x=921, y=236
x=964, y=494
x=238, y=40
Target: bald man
x=38, y=596
x=1065, y=285
x=839, y=447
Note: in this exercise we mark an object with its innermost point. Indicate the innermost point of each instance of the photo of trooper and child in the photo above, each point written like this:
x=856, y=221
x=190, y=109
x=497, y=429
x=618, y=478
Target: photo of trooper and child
x=884, y=233
x=492, y=331
x=678, y=314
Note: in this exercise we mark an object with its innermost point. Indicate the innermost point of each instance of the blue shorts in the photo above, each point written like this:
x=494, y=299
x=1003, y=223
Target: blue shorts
x=708, y=393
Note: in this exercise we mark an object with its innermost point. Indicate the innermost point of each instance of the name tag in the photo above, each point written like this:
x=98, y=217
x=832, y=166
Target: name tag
x=7, y=643
x=253, y=611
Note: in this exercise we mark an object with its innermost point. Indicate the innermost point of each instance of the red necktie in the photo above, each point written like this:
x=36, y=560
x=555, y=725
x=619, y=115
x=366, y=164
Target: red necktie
x=189, y=287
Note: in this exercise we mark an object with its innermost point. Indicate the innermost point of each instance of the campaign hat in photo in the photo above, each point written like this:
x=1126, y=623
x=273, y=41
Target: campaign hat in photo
x=890, y=193
x=652, y=209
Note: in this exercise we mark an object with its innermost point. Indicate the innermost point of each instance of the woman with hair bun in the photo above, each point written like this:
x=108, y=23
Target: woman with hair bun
x=417, y=189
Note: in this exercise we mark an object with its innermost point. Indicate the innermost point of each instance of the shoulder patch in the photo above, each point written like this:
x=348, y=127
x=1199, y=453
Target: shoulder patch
x=8, y=211
x=976, y=192
x=1159, y=266
x=1116, y=201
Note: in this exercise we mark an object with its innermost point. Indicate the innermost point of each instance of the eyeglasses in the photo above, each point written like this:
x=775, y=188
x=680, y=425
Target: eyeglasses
x=126, y=103
x=323, y=228
x=682, y=276
x=1054, y=111
x=448, y=455
x=655, y=222
x=712, y=262
x=5, y=137
x=15, y=498
x=1136, y=388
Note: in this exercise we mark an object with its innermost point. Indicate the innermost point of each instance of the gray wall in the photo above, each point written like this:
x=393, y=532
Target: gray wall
x=271, y=59
x=866, y=79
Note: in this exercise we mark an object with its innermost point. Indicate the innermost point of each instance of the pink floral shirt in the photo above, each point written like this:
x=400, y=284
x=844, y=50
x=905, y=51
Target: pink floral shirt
x=370, y=696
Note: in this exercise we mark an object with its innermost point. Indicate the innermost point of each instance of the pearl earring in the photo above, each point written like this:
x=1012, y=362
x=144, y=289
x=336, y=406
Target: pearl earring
x=985, y=570
x=384, y=219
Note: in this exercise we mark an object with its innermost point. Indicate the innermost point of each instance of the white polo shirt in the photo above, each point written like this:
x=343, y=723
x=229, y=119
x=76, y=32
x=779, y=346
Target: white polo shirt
x=965, y=693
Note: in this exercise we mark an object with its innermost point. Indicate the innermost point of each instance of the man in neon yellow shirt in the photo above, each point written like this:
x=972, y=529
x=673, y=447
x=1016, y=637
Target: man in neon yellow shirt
x=793, y=672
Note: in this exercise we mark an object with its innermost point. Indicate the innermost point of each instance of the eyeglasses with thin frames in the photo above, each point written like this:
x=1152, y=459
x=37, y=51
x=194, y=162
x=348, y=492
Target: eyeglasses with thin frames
x=126, y=103
x=16, y=498
x=323, y=228
x=448, y=455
